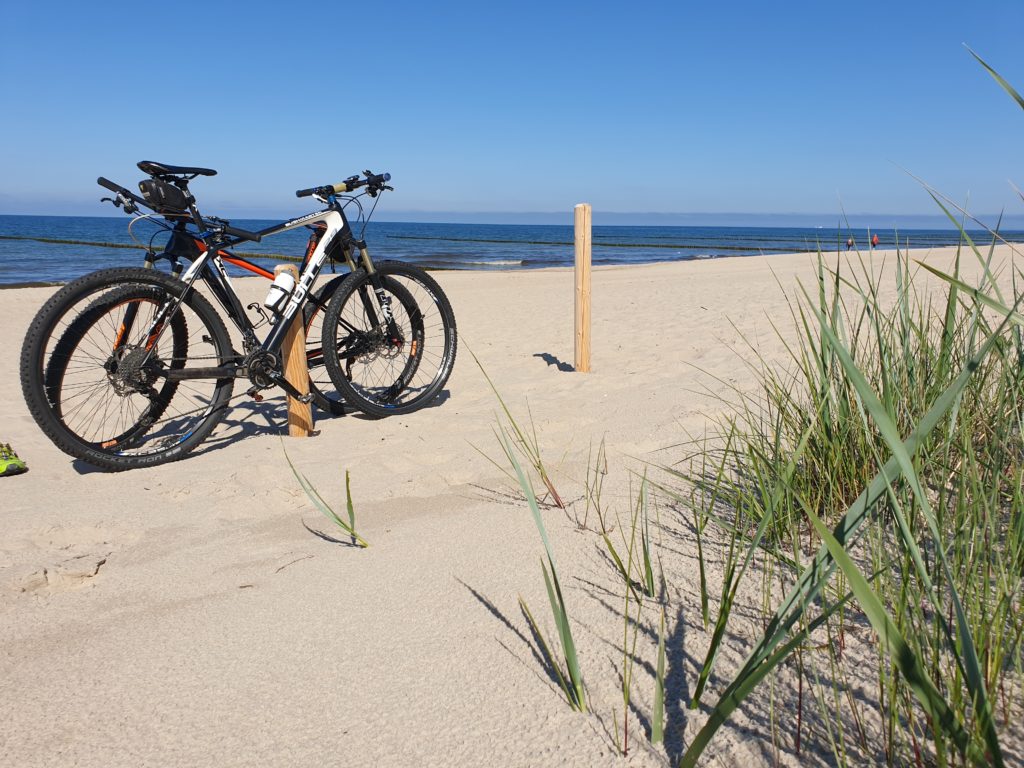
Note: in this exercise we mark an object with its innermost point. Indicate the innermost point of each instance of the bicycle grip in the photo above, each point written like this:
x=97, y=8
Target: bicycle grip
x=117, y=188
x=109, y=185
x=305, y=192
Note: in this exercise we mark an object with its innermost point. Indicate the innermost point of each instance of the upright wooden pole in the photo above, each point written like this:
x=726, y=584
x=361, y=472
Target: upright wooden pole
x=583, y=242
x=293, y=349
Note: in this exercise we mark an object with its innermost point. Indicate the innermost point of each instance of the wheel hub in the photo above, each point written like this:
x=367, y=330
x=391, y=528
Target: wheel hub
x=376, y=345
x=132, y=370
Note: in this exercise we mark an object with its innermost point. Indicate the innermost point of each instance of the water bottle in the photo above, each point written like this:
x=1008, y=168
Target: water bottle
x=279, y=293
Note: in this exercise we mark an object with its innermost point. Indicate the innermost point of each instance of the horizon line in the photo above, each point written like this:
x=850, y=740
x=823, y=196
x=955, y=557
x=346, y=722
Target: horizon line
x=637, y=218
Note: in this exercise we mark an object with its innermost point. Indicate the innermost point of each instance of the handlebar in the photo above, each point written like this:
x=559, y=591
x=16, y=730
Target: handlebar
x=127, y=194
x=375, y=181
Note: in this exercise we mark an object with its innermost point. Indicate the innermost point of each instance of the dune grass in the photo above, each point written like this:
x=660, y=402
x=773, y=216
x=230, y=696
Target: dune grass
x=349, y=525
x=880, y=479
x=569, y=677
x=890, y=451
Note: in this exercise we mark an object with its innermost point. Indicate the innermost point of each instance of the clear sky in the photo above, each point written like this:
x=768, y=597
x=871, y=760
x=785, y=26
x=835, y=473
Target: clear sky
x=674, y=107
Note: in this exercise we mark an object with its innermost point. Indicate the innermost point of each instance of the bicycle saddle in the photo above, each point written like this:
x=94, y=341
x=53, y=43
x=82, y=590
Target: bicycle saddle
x=158, y=169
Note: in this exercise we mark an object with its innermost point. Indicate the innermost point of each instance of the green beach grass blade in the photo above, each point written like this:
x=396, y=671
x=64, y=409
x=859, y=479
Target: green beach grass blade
x=561, y=616
x=574, y=690
x=949, y=320
x=348, y=503
x=645, y=541
x=325, y=508
x=1012, y=315
x=995, y=76
x=619, y=566
x=545, y=649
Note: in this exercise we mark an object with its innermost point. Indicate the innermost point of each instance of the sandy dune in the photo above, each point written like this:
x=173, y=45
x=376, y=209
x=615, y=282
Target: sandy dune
x=200, y=613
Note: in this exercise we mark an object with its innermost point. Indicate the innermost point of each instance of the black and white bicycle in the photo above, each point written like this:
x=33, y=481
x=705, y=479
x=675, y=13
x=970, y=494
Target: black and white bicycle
x=133, y=367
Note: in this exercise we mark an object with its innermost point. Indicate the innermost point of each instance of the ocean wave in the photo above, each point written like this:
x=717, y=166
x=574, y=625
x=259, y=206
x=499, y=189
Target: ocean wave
x=493, y=263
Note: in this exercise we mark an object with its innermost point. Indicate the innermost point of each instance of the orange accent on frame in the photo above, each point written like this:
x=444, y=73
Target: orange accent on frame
x=246, y=265
x=237, y=262
x=120, y=335
x=153, y=336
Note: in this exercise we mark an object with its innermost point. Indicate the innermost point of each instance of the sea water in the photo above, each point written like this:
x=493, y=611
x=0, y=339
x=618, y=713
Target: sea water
x=26, y=257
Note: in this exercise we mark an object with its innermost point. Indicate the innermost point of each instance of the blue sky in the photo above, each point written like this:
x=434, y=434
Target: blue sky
x=682, y=107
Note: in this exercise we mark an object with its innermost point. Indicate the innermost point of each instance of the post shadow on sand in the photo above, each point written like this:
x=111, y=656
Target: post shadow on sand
x=550, y=359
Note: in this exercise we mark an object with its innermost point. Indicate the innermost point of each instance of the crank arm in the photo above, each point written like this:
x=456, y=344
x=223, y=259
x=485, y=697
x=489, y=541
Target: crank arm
x=284, y=384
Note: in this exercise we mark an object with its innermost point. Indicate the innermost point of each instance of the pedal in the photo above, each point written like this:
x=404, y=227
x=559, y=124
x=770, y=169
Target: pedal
x=255, y=395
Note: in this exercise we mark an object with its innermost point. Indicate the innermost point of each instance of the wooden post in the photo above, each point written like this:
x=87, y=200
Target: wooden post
x=293, y=349
x=583, y=241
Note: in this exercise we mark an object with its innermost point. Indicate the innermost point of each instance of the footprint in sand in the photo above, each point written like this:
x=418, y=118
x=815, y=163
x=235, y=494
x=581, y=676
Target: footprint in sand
x=73, y=573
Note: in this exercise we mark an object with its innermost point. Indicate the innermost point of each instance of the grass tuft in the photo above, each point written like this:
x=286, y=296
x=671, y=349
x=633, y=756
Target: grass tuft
x=348, y=526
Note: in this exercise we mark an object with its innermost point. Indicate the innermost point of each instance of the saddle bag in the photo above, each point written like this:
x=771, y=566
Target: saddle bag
x=163, y=197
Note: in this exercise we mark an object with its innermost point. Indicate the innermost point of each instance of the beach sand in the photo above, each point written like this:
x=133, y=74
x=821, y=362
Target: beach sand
x=204, y=613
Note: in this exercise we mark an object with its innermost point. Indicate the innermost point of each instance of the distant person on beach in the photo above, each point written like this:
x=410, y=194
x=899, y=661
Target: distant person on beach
x=849, y=243
x=874, y=240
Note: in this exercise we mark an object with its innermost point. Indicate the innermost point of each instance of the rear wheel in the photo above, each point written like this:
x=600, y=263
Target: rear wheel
x=63, y=382
x=386, y=366
x=101, y=367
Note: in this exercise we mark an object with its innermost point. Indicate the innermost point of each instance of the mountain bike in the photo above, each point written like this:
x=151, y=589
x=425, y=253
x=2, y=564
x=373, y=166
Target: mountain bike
x=133, y=367
x=178, y=249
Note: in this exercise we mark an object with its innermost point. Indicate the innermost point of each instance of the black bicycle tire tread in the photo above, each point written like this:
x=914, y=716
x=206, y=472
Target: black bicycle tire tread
x=351, y=395
x=32, y=376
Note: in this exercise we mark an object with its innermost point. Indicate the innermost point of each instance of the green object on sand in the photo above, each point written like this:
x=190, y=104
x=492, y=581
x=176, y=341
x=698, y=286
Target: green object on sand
x=10, y=464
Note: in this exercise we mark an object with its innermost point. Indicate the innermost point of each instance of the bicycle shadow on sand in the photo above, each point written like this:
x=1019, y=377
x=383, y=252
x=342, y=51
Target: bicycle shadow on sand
x=243, y=420
x=250, y=419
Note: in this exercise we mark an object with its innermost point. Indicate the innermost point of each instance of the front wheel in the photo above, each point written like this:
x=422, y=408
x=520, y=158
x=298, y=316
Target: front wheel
x=389, y=339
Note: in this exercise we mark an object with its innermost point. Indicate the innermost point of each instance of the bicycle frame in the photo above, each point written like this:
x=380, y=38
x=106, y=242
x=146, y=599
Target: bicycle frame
x=207, y=252
x=210, y=265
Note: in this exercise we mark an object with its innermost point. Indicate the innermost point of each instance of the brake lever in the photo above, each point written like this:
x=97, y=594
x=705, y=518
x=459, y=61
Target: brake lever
x=121, y=201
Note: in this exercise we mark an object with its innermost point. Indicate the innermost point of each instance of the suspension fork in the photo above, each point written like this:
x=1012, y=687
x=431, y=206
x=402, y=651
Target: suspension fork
x=382, y=305
x=377, y=305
